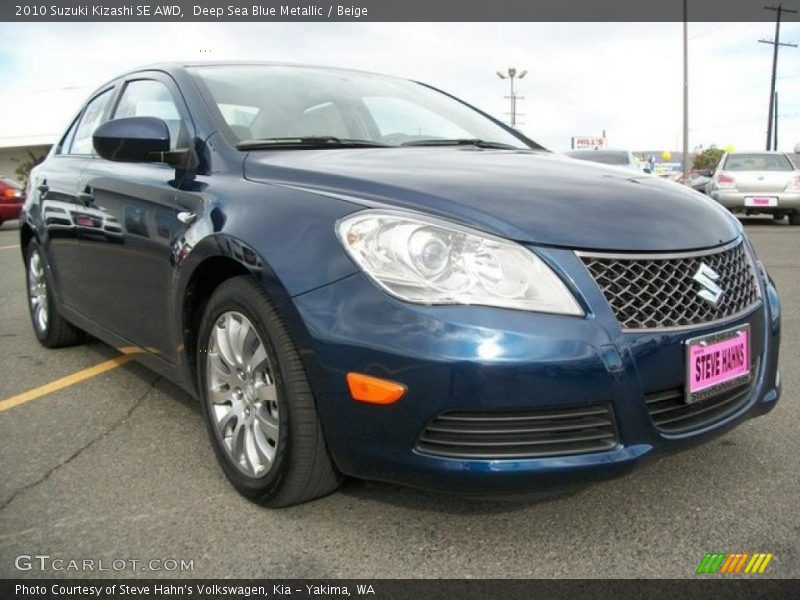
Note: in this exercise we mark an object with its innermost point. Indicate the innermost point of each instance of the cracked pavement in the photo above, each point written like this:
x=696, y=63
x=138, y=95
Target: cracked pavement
x=119, y=466
x=6, y=501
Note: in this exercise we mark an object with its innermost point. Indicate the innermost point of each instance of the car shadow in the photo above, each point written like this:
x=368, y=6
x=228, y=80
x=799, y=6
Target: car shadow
x=763, y=221
x=10, y=225
x=408, y=498
x=106, y=352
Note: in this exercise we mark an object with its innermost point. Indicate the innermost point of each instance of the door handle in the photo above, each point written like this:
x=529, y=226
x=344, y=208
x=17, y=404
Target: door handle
x=186, y=217
x=86, y=197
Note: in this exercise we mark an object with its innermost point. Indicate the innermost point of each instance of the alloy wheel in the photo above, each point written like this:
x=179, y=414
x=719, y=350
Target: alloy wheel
x=37, y=290
x=242, y=394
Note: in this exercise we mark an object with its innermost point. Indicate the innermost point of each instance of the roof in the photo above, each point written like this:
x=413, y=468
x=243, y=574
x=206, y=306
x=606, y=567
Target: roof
x=760, y=152
x=181, y=65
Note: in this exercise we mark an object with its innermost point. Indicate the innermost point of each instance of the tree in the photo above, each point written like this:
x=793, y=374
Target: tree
x=709, y=159
x=26, y=165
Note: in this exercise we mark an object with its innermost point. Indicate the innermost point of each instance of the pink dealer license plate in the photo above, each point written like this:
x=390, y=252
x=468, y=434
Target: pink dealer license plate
x=717, y=362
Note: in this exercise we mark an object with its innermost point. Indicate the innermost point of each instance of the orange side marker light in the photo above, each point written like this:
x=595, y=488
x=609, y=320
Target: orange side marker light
x=373, y=390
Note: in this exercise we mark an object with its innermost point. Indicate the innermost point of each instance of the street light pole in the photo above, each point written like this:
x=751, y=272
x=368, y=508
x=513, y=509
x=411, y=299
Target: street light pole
x=511, y=73
x=685, y=91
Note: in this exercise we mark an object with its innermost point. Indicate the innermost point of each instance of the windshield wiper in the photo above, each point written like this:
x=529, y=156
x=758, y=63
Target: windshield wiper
x=462, y=142
x=314, y=141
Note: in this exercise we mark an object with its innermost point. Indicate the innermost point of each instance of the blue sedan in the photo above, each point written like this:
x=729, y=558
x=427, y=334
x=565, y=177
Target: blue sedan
x=359, y=275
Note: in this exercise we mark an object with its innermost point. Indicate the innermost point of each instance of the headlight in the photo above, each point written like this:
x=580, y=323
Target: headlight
x=427, y=261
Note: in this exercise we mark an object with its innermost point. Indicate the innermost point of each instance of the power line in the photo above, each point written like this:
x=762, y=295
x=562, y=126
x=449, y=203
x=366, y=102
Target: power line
x=772, y=144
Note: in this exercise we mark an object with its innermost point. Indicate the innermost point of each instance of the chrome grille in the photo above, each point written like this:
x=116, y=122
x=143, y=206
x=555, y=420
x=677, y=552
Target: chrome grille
x=655, y=292
x=520, y=434
x=671, y=414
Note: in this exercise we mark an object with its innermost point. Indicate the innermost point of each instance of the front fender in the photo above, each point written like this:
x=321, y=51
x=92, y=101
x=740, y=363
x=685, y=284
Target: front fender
x=285, y=239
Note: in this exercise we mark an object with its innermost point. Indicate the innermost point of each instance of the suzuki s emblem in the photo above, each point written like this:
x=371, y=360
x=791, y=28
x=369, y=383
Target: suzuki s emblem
x=707, y=278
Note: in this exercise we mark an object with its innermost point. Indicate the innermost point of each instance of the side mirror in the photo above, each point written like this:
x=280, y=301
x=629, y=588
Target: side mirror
x=135, y=139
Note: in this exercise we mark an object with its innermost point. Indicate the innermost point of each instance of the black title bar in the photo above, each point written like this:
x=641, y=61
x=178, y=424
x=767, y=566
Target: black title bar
x=398, y=589
x=385, y=10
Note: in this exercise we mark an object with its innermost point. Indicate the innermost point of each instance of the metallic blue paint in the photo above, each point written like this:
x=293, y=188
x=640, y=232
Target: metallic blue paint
x=272, y=213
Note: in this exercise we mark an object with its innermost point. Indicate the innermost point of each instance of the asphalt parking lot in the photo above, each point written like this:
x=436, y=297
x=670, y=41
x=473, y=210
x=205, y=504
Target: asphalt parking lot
x=118, y=466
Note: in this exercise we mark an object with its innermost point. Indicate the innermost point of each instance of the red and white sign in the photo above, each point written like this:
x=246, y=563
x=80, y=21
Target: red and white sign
x=588, y=142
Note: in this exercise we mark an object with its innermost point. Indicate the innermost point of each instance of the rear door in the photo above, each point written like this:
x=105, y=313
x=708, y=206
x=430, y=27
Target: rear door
x=57, y=185
x=129, y=264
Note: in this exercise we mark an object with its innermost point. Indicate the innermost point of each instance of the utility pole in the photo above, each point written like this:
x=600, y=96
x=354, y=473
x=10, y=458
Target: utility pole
x=775, y=135
x=686, y=91
x=777, y=44
x=511, y=73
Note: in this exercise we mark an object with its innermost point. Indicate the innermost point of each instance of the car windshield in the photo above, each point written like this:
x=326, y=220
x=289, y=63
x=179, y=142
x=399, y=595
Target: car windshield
x=758, y=162
x=309, y=106
x=606, y=157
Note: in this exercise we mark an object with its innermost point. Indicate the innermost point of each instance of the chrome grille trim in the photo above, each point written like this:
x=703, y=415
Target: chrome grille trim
x=671, y=415
x=660, y=255
x=655, y=291
x=519, y=434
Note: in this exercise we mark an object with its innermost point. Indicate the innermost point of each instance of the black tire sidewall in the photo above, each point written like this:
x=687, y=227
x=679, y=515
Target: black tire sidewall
x=232, y=298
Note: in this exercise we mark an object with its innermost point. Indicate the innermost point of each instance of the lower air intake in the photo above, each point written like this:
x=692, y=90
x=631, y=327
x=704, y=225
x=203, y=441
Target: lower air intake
x=520, y=434
x=671, y=414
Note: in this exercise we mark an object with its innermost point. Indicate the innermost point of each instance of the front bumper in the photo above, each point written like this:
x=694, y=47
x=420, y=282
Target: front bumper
x=483, y=359
x=9, y=211
x=735, y=200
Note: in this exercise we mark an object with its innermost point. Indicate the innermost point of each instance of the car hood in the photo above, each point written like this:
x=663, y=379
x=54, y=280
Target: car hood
x=530, y=197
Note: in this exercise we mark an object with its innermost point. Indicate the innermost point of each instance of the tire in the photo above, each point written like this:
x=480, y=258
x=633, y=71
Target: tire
x=794, y=219
x=51, y=329
x=257, y=402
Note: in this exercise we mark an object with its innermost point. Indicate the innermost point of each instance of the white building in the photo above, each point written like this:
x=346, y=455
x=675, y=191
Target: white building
x=32, y=120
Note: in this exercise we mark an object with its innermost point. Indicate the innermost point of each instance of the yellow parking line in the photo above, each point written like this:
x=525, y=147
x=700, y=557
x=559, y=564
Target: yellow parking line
x=9, y=247
x=60, y=384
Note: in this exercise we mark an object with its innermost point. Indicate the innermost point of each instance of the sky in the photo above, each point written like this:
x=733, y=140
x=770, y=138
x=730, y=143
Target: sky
x=583, y=78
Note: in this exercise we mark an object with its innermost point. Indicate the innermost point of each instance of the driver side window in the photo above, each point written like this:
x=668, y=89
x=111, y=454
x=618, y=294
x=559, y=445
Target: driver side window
x=151, y=98
x=91, y=118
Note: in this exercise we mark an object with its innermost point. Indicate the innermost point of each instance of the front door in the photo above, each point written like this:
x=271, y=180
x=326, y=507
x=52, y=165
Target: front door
x=129, y=263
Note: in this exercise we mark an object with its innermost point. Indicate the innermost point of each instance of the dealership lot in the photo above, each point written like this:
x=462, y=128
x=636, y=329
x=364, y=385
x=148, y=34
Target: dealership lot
x=118, y=467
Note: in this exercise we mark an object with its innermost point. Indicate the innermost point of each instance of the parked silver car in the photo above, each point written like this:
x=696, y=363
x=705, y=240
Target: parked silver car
x=758, y=182
x=615, y=158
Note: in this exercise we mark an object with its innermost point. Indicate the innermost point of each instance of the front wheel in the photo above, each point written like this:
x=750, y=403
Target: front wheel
x=794, y=219
x=51, y=329
x=257, y=402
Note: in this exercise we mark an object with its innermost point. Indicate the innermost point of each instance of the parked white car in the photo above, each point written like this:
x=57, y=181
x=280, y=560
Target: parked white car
x=758, y=183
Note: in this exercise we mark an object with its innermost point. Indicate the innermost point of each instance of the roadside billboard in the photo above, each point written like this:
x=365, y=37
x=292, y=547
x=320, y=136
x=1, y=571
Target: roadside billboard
x=588, y=142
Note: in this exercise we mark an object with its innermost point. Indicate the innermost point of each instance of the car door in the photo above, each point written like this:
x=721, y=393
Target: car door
x=57, y=184
x=128, y=263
